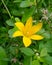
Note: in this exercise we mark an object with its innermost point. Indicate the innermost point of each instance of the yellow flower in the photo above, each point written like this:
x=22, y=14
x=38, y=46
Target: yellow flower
x=28, y=31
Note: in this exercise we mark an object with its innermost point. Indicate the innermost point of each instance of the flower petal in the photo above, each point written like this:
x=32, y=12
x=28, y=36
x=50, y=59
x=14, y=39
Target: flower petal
x=20, y=25
x=28, y=24
x=36, y=28
x=17, y=33
x=26, y=41
x=36, y=37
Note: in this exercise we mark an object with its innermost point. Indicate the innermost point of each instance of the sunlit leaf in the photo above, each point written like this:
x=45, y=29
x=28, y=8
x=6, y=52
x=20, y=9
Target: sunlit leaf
x=3, y=56
x=27, y=51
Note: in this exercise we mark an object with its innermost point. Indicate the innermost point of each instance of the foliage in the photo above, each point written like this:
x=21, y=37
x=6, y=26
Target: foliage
x=12, y=50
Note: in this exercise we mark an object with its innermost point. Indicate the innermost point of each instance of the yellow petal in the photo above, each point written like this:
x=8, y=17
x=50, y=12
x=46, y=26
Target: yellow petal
x=17, y=33
x=20, y=25
x=28, y=24
x=36, y=28
x=26, y=41
x=36, y=37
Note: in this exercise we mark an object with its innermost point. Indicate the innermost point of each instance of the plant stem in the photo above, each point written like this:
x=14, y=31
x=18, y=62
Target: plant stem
x=6, y=8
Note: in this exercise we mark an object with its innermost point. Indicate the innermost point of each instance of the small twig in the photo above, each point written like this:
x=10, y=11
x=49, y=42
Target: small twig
x=6, y=8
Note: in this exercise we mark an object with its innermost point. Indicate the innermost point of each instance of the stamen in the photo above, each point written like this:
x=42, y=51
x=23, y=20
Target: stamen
x=27, y=32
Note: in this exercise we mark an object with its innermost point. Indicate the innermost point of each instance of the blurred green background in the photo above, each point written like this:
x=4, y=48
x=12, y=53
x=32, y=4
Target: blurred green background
x=12, y=51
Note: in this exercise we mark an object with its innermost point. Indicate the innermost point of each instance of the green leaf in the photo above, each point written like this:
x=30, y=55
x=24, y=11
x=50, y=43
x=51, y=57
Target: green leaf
x=44, y=63
x=46, y=35
x=41, y=31
x=27, y=51
x=13, y=50
x=11, y=31
x=16, y=1
x=26, y=4
x=48, y=59
x=28, y=14
x=43, y=52
x=35, y=62
x=2, y=56
x=41, y=45
x=10, y=22
x=48, y=46
x=17, y=19
x=27, y=60
x=16, y=12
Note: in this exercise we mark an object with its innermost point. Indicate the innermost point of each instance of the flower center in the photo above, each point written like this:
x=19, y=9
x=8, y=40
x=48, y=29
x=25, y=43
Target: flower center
x=27, y=32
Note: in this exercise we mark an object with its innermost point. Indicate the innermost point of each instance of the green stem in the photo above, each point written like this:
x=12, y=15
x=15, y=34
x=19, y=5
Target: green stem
x=6, y=8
